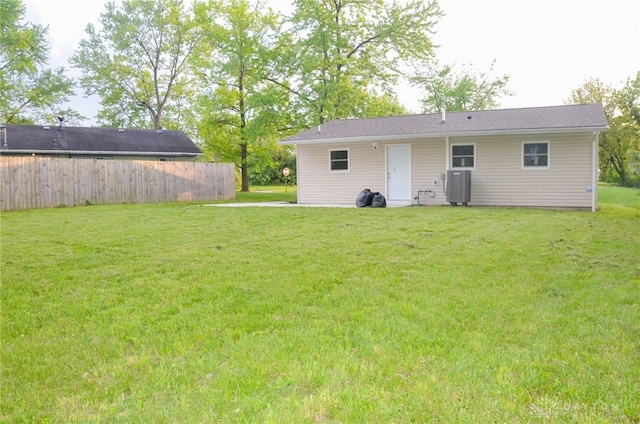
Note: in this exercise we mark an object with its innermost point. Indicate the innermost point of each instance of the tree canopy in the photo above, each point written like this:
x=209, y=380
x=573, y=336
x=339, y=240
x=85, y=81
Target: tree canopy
x=465, y=90
x=30, y=92
x=240, y=111
x=620, y=145
x=137, y=62
x=347, y=53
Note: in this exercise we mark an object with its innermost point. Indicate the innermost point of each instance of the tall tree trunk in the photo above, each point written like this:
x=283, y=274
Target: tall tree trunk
x=243, y=136
x=618, y=164
x=244, y=167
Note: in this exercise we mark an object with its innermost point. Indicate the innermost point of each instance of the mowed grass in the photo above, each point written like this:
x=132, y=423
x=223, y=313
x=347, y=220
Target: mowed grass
x=193, y=314
x=279, y=193
x=617, y=197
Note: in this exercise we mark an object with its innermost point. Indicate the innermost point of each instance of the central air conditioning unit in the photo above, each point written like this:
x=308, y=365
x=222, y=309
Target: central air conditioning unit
x=458, y=187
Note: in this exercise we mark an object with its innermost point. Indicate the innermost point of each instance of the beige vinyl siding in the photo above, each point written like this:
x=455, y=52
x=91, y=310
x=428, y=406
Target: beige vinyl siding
x=428, y=161
x=497, y=180
x=318, y=185
x=500, y=179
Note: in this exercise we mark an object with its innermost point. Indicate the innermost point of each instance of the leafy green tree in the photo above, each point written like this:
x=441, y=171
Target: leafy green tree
x=625, y=130
x=465, y=90
x=346, y=54
x=29, y=93
x=138, y=62
x=269, y=172
x=628, y=98
x=594, y=91
x=242, y=114
x=618, y=148
x=621, y=143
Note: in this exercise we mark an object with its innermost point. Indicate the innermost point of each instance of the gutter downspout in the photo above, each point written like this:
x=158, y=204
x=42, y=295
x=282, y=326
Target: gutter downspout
x=446, y=165
x=446, y=155
x=594, y=171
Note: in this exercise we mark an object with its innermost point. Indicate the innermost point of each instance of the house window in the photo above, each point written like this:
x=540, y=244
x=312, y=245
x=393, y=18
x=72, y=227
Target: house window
x=535, y=155
x=166, y=159
x=463, y=156
x=339, y=160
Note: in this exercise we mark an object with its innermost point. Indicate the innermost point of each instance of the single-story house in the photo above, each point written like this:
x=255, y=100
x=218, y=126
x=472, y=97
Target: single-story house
x=528, y=157
x=96, y=143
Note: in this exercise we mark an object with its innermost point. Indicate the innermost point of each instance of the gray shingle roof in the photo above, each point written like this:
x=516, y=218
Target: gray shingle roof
x=86, y=140
x=587, y=117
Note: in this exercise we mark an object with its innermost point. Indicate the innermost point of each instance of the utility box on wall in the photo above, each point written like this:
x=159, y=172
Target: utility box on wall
x=458, y=187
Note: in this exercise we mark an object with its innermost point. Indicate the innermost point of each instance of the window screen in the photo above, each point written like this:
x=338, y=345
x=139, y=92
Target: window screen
x=339, y=160
x=463, y=156
x=535, y=155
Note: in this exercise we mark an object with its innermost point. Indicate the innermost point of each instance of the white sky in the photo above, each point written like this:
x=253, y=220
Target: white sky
x=547, y=47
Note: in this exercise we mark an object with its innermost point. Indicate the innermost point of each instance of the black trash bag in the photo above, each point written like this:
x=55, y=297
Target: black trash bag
x=378, y=200
x=364, y=198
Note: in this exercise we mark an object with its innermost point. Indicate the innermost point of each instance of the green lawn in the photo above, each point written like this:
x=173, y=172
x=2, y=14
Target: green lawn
x=267, y=194
x=619, y=197
x=192, y=314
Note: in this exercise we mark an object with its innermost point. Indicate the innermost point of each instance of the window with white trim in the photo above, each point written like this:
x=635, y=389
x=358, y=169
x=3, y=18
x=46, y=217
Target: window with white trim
x=339, y=160
x=463, y=156
x=535, y=155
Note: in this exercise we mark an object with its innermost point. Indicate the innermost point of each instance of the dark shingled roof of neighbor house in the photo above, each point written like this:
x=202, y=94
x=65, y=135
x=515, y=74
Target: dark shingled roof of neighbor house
x=92, y=140
x=567, y=118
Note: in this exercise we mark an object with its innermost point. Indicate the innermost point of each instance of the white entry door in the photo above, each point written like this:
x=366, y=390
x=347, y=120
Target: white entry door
x=399, y=174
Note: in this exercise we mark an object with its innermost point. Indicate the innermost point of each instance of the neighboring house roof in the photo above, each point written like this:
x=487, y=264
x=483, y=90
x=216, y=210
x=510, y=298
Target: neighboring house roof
x=568, y=118
x=53, y=139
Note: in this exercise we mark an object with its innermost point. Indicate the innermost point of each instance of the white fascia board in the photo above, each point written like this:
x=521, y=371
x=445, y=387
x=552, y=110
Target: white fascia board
x=403, y=137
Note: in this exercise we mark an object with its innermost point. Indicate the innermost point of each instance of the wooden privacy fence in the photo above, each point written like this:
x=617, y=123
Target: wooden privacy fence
x=37, y=182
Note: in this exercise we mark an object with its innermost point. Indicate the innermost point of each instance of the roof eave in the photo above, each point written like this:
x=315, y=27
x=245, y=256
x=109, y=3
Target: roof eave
x=405, y=137
x=91, y=152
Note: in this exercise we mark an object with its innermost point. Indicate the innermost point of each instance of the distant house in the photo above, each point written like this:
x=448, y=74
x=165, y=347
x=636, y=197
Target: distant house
x=96, y=143
x=530, y=157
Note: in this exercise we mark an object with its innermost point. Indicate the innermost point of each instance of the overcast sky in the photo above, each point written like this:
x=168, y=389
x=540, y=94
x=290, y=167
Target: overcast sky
x=547, y=47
